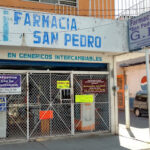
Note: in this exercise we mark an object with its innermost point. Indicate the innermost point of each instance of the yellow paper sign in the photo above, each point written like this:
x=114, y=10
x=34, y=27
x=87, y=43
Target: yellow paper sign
x=84, y=98
x=63, y=84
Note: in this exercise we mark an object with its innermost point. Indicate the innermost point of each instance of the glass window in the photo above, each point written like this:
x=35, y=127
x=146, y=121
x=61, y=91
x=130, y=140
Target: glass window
x=61, y=2
x=142, y=98
x=49, y=1
x=68, y=2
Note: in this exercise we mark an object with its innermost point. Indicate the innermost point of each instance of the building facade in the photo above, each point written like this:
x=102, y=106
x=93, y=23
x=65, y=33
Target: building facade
x=96, y=8
x=57, y=71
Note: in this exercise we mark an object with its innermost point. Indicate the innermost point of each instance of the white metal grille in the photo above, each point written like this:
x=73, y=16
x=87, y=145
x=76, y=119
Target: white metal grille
x=44, y=95
x=101, y=105
x=41, y=94
x=125, y=9
x=17, y=112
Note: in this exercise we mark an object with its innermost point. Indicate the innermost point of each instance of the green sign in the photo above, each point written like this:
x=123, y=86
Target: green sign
x=84, y=98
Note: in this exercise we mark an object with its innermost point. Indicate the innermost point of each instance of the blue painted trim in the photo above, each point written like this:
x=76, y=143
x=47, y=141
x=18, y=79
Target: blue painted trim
x=52, y=64
x=5, y=26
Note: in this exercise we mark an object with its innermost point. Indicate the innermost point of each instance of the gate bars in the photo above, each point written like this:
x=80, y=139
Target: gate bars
x=41, y=95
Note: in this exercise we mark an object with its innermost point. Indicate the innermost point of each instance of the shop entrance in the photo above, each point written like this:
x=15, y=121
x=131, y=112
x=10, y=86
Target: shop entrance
x=54, y=103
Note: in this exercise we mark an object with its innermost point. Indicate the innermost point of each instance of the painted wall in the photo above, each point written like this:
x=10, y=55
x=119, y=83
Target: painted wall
x=34, y=29
x=134, y=75
x=104, y=8
x=119, y=69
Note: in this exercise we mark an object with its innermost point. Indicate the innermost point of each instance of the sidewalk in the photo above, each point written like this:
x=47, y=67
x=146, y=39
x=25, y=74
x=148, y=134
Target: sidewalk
x=129, y=139
x=134, y=138
x=96, y=142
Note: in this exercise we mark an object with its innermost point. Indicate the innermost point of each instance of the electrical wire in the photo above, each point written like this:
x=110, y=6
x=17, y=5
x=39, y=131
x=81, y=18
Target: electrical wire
x=84, y=10
x=80, y=29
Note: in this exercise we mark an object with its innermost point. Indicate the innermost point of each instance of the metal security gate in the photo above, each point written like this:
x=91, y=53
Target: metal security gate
x=44, y=96
x=44, y=109
x=92, y=117
x=16, y=112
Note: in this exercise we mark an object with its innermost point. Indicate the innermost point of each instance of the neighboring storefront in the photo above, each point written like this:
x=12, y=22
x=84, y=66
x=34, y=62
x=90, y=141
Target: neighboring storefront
x=134, y=72
x=132, y=67
x=56, y=73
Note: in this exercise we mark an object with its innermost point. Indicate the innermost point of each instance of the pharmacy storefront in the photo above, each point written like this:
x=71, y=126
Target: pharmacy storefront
x=57, y=74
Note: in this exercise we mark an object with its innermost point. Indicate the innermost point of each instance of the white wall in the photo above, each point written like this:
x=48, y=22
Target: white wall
x=134, y=76
x=27, y=28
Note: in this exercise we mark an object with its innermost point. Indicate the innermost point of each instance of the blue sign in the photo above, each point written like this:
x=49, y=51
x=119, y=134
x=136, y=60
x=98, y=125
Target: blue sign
x=2, y=104
x=139, y=32
x=10, y=84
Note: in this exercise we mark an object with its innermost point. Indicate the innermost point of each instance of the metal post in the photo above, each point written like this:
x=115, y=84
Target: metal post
x=106, y=9
x=50, y=102
x=99, y=8
x=89, y=7
x=72, y=106
x=110, y=10
x=78, y=9
x=118, y=9
x=27, y=75
x=103, y=9
x=111, y=100
x=67, y=9
x=127, y=107
x=148, y=83
x=115, y=96
x=94, y=8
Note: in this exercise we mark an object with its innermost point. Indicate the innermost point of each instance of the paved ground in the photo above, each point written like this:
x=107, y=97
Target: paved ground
x=137, y=122
x=136, y=138
x=139, y=129
x=84, y=143
x=94, y=142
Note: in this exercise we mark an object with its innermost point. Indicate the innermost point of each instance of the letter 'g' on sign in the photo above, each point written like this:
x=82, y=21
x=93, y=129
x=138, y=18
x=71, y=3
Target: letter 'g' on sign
x=84, y=98
x=63, y=84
